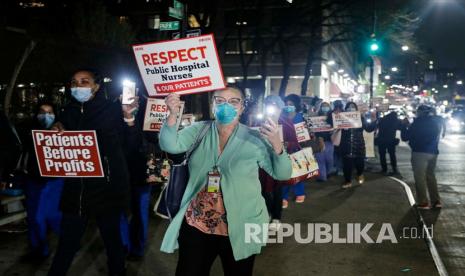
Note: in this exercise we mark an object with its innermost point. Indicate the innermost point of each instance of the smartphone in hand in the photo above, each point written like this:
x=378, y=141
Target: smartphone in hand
x=129, y=92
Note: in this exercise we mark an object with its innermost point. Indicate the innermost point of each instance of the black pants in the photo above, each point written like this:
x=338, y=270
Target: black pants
x=274, y=202
x=348, y=164
x=72, y=229
x=391, y=149
x=198, y=251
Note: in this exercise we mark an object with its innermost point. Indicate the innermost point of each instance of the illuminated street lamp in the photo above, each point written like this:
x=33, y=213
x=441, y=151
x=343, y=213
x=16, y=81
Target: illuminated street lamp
x=394, y=69
x=387, y=77
x=459, y=82
x=331, y=63
x=405, y=48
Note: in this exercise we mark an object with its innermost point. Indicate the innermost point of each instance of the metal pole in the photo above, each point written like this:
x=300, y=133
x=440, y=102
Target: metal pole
x=372, y=65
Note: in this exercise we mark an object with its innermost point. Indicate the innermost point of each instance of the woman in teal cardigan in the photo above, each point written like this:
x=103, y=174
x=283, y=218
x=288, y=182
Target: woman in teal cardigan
x=223, y=193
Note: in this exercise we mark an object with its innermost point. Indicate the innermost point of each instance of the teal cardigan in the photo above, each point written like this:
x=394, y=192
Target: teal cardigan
x=245, y=152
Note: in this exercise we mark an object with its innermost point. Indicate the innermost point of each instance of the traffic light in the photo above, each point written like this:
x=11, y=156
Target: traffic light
x=374, y=47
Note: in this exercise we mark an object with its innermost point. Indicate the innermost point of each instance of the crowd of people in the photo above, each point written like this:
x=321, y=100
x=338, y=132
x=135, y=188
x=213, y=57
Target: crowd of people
x=237, y=174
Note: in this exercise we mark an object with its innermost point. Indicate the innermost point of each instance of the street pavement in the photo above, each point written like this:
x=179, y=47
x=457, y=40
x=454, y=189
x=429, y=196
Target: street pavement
x=380, y=200
x=449, y=223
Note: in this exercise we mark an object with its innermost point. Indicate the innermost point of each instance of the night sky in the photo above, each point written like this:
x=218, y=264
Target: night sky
x=442, y=31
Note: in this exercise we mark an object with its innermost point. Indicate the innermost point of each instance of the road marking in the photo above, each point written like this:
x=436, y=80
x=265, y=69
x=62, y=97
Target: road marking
x=429, y=240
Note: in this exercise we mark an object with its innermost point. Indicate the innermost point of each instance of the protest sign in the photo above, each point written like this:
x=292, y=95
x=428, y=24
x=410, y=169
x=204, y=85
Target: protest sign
x=363, y=107
x=301, y=132
x=71, y=154
x=185, y=66
x=369, y=138
x=319, y=124
x=347, y=120
x=156, y=112
x=304, y=166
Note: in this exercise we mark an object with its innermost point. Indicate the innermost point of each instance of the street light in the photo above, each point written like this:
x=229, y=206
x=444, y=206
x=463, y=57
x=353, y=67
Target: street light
x=459, y=82
x=374, y=47
x=387, y=77
x=445, y=86
x=331, y=63
x=405, y=48
x=340, y=71
x=394, y=69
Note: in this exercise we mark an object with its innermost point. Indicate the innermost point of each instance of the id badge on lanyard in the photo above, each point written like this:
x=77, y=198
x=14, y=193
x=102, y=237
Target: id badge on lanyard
x=213, y=181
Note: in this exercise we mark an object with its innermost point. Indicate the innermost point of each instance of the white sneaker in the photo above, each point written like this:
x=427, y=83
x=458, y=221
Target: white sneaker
x=274, y=225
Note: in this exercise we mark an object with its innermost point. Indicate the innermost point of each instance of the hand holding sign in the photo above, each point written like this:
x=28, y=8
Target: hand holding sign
x=58, y=127
x=173, y=102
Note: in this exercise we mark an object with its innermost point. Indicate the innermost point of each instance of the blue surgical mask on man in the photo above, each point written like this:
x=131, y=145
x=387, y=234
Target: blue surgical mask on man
x=81, y=94
x=351, y=109
x=46, y=120
x=225, y=113
x=289, y=109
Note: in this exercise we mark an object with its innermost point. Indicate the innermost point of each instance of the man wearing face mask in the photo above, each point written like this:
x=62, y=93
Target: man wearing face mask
x=223, y=194
x=42, y=193
x=101, y=198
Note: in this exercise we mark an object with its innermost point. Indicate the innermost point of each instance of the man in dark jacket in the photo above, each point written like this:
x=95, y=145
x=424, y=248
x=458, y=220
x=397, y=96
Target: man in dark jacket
x=103, y=198
x=423, y=136
x=387, y=141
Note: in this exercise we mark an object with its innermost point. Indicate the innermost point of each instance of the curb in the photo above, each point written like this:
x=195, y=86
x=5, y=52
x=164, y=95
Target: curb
x=429, y=240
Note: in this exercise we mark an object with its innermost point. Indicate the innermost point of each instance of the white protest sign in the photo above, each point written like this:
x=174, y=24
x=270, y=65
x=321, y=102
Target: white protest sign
x=156, y=112
x=303, y=162
x=369, y=138
x=347, y=120
x=185, y=66
x=301, y=132
x=319, y=124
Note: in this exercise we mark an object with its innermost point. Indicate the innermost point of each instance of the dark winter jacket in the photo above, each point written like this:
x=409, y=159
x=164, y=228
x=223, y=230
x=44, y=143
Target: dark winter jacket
x=352, y=142
x=387, y=128
x=423, y=135
x=99, y=195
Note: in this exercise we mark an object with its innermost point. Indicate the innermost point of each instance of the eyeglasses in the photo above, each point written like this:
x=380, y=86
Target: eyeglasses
x=232, y=101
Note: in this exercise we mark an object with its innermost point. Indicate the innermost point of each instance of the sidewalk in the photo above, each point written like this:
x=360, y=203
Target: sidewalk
x=379, y=200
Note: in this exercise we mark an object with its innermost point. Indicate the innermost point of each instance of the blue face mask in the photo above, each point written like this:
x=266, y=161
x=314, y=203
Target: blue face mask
x=325, y=109
x=46, y=120
x=351, y=109
x=81, y=94
x=225, y=113
x=289, y=109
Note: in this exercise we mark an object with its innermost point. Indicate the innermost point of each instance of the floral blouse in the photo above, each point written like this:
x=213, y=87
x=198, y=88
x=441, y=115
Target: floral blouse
x=206, y=212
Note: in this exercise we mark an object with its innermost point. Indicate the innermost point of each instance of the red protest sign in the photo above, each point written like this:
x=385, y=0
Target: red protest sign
x=71, y=154
x=185, y=66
